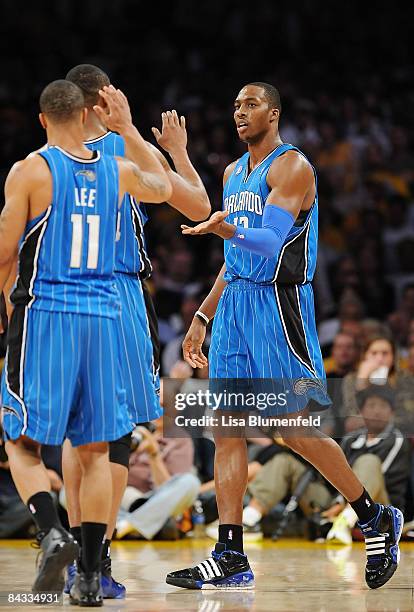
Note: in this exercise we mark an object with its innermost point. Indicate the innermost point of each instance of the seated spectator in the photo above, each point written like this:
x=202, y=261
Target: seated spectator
x=350, y=309
x=344, y=356
x=343, y=360
x=399, y=320
x=278, y=478
x=161, y=485
x=380, y=457
x=378, y=366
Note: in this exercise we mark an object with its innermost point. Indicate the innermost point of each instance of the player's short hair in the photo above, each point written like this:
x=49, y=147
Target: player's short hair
x=90, y=79
x=61, y=100
x=271, y=94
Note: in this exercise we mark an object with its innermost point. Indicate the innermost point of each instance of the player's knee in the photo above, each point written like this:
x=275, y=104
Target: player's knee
x=23, y=443
x=119, y=450
x=90, y=454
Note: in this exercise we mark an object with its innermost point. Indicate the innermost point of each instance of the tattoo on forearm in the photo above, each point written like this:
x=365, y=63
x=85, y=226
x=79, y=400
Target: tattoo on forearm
x=150, y=181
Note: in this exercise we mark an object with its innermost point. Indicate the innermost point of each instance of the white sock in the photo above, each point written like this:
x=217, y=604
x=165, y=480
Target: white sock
x=350, y=516
x=251, y=516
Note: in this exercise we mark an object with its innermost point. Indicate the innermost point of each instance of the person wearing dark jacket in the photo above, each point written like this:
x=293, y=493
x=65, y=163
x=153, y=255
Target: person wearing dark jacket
x=378, y=454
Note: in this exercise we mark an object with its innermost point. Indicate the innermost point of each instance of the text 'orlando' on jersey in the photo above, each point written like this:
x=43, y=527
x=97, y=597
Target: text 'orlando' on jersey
x=244, y=197
x=131, y=253
x=67, y=254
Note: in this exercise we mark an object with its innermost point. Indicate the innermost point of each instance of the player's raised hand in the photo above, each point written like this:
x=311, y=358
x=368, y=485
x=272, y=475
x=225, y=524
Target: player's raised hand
x=116, y=116
x=192, y=345
x=214, y=225
x=173, y=135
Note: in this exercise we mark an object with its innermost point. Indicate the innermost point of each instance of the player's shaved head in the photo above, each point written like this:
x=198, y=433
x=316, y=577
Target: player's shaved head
x=271, y=94
x=90, y=79
x=61, y=100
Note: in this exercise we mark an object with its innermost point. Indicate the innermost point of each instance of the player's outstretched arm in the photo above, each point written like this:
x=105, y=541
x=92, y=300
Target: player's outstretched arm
x=14, y=217
x=291, y=181
x=152, y=183
x=188, y=196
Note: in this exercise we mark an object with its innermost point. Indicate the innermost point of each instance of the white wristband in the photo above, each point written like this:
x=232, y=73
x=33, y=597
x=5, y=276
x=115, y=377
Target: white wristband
x=203, y=317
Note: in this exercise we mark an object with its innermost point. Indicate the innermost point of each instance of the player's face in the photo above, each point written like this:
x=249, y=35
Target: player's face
x=252, y=114
x=376, y=413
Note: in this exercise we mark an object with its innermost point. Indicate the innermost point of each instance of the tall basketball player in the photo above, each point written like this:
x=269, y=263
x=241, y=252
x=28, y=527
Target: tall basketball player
x=62, y=374
x=264, y=328
x=110, y=134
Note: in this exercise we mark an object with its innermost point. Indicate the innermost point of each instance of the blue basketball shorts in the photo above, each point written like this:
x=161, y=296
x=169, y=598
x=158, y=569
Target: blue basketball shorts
x=62, y=378
x=268, y=332
x=138, y=356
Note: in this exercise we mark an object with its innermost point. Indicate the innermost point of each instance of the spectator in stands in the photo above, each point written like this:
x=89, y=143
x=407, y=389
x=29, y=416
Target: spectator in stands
x=350, y=309
x=344, y=356
x=342, y=361
x=378, y=366
x=277, y=478
x=399, y=321
x=379, y=455
x=161, y=485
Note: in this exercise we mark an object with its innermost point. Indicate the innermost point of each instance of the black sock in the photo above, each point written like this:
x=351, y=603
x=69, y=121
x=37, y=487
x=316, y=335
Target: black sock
x=77, y=534
x=106, y=549
x=92, y=538
x=232, y=537
x=364, y=507
x=44, y=511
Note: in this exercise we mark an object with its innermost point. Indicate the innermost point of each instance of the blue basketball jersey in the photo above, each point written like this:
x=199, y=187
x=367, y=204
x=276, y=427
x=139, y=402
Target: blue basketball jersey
x=131, y=253
x=67, y=254
x=244, y=196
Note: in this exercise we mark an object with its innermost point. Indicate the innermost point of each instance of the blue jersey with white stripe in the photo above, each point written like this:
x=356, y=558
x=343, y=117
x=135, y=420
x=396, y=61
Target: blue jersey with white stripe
x=244, y=196
x=67, y=254
x=131, y=253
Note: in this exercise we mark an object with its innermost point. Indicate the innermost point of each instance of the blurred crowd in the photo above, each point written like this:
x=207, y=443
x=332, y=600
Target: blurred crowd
x=346, y=83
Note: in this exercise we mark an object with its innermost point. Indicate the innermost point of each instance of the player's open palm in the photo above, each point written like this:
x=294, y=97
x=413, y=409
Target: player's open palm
x=117, y=114
x=192, y=345
x=211, y=226
x=173, y=135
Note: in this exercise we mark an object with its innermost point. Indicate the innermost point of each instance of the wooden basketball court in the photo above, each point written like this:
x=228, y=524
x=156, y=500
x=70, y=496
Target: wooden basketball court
x=290, y=575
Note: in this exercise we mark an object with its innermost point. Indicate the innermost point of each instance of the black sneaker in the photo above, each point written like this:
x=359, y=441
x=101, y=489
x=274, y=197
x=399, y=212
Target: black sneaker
x=225, y=569
x=86, y=590
x=382, y=535
x=59, y=549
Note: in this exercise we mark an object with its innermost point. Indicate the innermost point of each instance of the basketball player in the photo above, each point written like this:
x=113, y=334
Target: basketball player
x=138, y=321
x=264, y=328
x=62, y=374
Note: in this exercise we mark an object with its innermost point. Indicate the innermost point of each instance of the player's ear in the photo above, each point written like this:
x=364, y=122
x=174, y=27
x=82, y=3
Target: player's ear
x=84, y=115
x=43, y=121
x=275, y=114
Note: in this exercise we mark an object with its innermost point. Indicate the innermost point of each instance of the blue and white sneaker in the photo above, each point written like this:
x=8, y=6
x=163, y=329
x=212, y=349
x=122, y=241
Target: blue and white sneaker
x=70, y=577
x=382, y=535
x=111, y=589
x=225, y=569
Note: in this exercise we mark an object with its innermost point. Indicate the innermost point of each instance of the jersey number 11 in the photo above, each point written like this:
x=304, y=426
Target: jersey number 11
x=77, y=241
